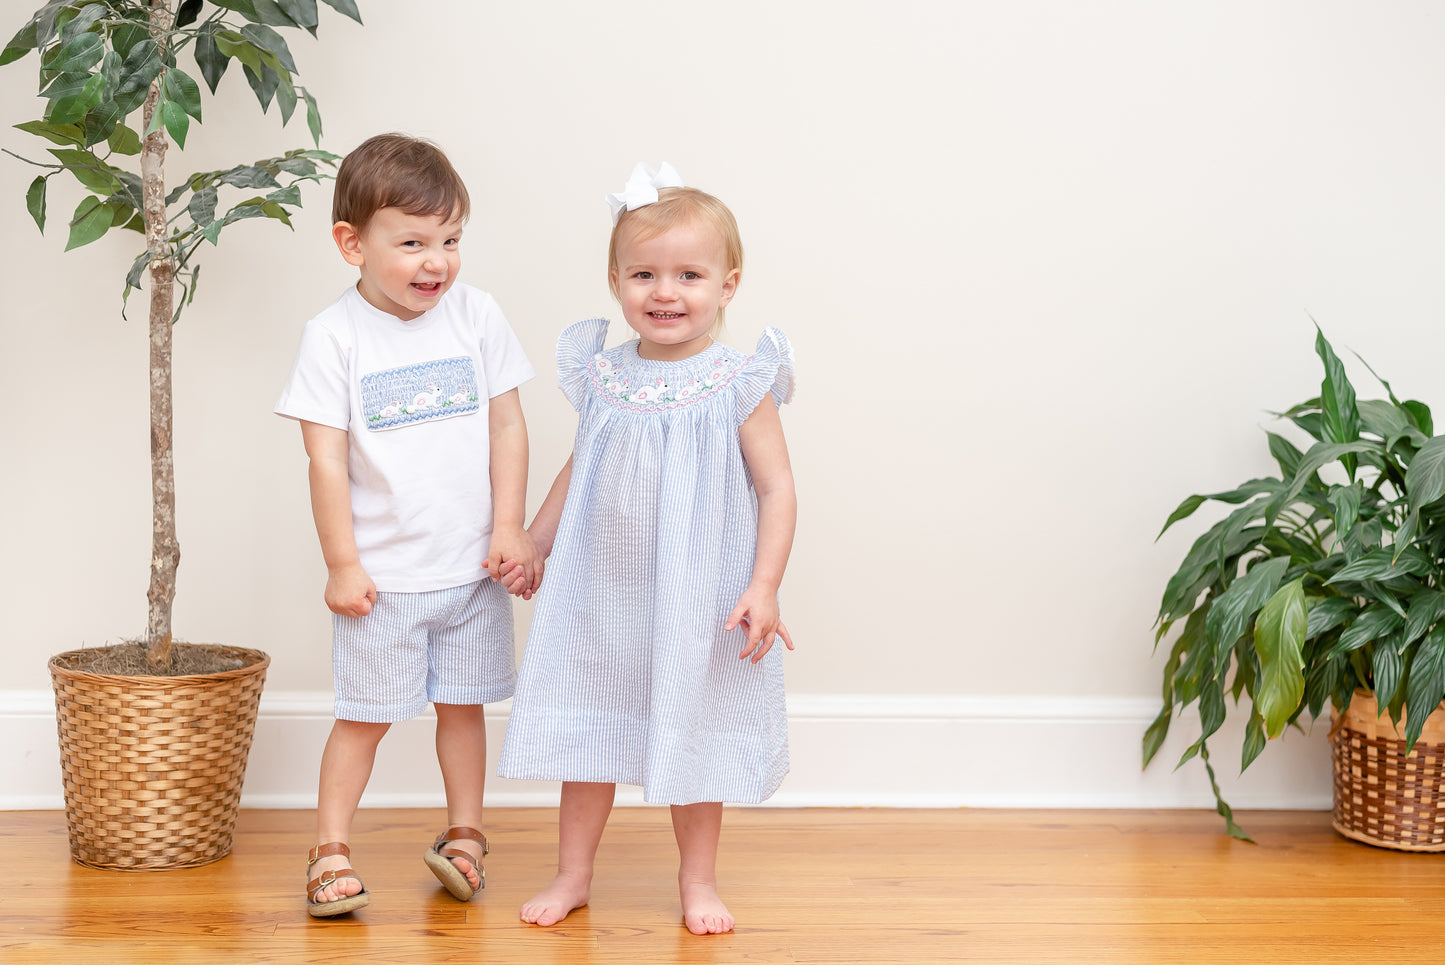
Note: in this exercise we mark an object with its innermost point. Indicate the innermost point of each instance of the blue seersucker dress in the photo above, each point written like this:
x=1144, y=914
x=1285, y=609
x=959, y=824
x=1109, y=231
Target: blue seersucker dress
x=628, y=676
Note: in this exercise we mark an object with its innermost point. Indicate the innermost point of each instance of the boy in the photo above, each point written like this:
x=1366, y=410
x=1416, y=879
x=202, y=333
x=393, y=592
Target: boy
x=406, y=391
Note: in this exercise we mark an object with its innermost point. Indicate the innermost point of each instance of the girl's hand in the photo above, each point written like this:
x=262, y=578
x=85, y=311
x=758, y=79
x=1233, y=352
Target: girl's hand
x=757, y=610
x=515, y=547
x=349, y=591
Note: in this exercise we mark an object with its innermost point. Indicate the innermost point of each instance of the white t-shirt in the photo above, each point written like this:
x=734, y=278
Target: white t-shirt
x=414, y=398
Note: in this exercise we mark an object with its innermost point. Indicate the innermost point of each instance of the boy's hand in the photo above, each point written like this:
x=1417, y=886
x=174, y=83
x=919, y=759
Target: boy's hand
x=757, y=611
x=349, y=591
x=512, y=547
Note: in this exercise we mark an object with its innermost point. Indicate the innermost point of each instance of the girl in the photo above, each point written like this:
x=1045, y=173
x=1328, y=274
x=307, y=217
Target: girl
x=650, y=656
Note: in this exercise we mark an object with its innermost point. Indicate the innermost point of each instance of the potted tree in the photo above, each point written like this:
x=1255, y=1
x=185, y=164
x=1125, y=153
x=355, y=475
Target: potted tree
x=1326, y=584
x=155, y=734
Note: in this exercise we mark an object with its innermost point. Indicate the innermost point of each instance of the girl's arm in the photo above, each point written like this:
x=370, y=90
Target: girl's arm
x=508, y=467
x=544, y=525
x=766, y=453
x=349, y=591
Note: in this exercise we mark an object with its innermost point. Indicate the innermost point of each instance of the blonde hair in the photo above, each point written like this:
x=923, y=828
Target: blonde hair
x=675, y=206
x=397, y=171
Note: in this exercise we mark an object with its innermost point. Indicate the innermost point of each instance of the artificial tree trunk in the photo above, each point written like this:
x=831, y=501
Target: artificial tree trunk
x=165, y=551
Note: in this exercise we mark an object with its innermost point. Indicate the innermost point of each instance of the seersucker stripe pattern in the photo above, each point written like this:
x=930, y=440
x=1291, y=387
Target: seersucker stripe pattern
x=628, y=676
x=450, y=646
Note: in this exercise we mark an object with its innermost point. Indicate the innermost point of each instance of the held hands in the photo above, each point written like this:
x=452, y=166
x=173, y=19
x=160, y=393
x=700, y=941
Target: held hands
x=757, y=611
x=513, y=561
x=349, y=591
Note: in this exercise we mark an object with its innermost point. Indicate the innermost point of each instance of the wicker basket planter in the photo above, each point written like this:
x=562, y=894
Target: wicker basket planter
x=153, y=766
x=1383, y=797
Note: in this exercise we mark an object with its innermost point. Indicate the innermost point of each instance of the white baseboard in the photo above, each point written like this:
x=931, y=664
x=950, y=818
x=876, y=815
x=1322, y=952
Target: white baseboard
x=854, y=750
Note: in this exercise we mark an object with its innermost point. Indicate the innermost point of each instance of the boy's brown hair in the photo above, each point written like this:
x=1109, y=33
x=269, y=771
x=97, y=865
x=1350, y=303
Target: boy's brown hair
x=397, y=171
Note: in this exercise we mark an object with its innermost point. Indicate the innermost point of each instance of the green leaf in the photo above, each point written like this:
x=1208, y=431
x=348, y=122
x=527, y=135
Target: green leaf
x=35, y=202
x=269, y=11
x=313, y=116
x=1419, y=415
x=1254, y=739
x=1425, y=686
x=347, y=7
x=1426, y=608
x=174, y=117
x=125, y=141
x=88, y=169
x=245, y=8
x=1319, y=455
x=263, y=83
x=1346, y=503
x=21, y=44
x=286, y=99
x=92, y=219
x=181, y=89
x=1155, y=734
x=137, y=268
x=1231, y=612
x=269, y=40
x=1279, y=634
x=1425, y=479
x=1386, y=667
x=1373, y=623
x=1388, y=421
x=73, y=107
x=55, y=133
x=202, y=206
x=1380, y=565
x=142, y=66
x=124, y=37
x=188, y=12
x=78, y=56
x=249, y=176
x=1284, y=453
x=1341, y=418
x=82, y=22
x=209, y=58
x=1328, y=613
x=303, y=12
x=1224, y=810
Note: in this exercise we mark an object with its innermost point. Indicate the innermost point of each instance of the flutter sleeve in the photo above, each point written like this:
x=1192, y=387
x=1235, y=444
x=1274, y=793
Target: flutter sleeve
x=575, y=348
x=769, y=370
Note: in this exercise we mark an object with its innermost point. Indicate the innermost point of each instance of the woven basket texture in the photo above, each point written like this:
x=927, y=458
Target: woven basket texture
x=1383, y=797
x=153, y=766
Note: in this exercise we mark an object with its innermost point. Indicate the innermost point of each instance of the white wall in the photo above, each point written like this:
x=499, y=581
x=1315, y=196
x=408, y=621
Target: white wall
x=1047, y=265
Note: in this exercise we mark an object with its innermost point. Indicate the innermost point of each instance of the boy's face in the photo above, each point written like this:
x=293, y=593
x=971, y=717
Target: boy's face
x=407, y=261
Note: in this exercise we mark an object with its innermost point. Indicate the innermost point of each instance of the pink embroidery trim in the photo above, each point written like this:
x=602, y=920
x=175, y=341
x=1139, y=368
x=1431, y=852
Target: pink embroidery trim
x=676, y=404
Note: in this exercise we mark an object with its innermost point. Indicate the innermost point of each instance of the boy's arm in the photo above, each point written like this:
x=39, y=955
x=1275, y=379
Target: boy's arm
x=349, y=591
x=508, y=467
x=766, y=453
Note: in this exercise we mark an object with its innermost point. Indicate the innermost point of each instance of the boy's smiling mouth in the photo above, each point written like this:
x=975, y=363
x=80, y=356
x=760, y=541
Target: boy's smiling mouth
x=426, y=287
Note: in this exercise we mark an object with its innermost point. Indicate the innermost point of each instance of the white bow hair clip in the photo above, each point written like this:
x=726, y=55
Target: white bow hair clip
x=642, y=188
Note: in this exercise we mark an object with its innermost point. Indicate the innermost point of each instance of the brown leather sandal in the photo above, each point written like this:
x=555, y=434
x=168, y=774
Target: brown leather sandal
x=339, y=906
x=439, y=860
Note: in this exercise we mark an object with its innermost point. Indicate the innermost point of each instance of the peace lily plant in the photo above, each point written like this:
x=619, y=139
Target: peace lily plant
x=1328, y=578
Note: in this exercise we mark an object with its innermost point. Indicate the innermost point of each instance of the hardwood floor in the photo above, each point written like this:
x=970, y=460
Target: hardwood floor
x=807, y=886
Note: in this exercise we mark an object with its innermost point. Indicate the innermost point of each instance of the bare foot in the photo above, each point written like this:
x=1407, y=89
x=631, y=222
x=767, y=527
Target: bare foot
x=341, y=887
x=702, y=910
x=558, y=900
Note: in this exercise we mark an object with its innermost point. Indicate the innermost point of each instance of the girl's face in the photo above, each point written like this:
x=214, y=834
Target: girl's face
x=672, y=286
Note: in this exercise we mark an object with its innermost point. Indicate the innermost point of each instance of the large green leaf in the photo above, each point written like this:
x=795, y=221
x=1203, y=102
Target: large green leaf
x=82, y=22
x=1319, y=455
x=89, y=170
x=67, y=134
x=301, y=11
x=1425, y=686
x=73, y=107
x=35, y=201
x=188, y=12
x=1327, y=613
x=1380, y=564
x=1386, y=667
x=92, y=219
x=1231, y=612
x=1279, y=634
x=1420, y=415
x=267, y=39
x=1341, y=418
x=1425, y=610
x=181, y=89
x=209, y=58
x=1425, y=479
x=1388, y=421
x=142, y=65
x=1254, y=739
x=347, y=7
x=1345, y=500
x=1284, y=453
x=1374, y=622
x=313, y=115
x=78, y=56
x=123, y=140
x=21, y=44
